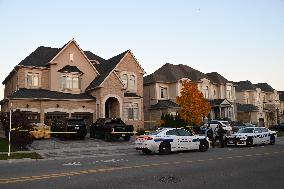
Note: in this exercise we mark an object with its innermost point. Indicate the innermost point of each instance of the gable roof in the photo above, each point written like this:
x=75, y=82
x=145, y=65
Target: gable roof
x=219, y=102
x=246, y=108
x=70, y=69
x=164, y=104
x=244, y=86
x=104, y=69
x=264, y=87
x=171, y=73
x=24, y=93
x=217, y=78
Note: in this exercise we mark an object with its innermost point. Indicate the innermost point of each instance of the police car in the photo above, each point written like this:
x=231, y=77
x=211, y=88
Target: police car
x=166, y=140
x=249, y=136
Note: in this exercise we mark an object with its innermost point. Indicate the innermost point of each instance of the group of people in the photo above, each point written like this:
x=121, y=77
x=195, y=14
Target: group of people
x=218, y=134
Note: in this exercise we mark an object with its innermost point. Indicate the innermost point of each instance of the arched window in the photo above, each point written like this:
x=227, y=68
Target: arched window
x=132, y=82
x=124, y=79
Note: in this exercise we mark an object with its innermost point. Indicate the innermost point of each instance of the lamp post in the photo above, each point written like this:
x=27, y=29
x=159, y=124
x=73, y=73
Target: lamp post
x=9, y=153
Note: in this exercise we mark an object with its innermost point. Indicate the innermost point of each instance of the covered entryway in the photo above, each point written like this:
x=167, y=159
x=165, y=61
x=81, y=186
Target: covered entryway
x=112, y=108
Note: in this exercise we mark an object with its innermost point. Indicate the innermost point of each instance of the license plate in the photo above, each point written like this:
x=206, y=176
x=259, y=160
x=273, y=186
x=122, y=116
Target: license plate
x=123, y=135
x=230, y=142
x=77, y=127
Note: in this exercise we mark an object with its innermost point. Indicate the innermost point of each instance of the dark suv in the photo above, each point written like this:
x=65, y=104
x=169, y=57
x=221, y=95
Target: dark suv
x=70, y=124
x=110, y=129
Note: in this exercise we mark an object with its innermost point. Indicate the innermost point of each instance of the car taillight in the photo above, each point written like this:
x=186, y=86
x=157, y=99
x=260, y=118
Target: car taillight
x=149, y=138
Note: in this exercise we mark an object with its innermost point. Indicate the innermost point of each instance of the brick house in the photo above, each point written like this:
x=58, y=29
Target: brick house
x=281, y=110
x=52, y=83
x=163, y=86
x=257, y=103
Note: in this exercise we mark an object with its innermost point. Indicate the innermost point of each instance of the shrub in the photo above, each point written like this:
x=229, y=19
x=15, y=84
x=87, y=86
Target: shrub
x=20, y=134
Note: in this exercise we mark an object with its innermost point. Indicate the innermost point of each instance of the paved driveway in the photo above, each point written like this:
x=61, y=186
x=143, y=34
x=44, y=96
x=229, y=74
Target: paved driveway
x=54, y=148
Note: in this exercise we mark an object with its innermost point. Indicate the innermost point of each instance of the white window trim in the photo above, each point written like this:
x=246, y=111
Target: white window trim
x=70, y=75
x=32, y=74
x=131, y=107
x=129, y=74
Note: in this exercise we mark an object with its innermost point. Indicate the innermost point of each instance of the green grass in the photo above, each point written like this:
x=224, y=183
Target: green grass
x=4, y=145
x=280, y=134
x=32, y=155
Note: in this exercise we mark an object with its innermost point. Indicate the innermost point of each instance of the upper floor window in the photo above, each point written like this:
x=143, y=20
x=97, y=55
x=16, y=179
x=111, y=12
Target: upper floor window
x=132, y=82
x=205, y=91
x=229, y=92
x=70, y=81
x=32, y=79
x=124, y=79
x=163, y=92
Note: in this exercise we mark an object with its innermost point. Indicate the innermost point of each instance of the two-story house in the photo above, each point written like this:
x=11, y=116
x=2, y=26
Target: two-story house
x=52, y=83
x=163, y=86
x=256, y=103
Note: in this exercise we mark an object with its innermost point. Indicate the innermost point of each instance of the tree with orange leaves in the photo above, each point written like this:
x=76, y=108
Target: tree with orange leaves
x=192, y=103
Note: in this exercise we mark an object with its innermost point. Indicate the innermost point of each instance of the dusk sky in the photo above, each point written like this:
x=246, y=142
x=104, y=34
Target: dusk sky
x=240, y=39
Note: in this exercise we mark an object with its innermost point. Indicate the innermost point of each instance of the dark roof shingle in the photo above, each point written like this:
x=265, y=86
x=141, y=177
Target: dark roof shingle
x=244, y=86
x=23, y=93
x=164, y=104
x=104, y=70
x=70, y=69
x=246, y=108
x=217, y=78
x=264, y=87
x=171, y=73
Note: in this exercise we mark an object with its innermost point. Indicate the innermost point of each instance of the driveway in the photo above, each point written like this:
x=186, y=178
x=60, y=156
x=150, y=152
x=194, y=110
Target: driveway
x=54, y=148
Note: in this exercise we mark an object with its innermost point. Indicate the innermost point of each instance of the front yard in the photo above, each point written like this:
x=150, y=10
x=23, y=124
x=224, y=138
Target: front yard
x=4, y=147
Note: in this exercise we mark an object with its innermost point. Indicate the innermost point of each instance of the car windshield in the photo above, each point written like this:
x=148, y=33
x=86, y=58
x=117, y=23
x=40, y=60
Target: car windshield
x=225, y=123
x=154, y=132
x=245, y=130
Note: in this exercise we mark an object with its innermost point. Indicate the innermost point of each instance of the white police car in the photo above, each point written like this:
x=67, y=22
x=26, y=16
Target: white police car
x=165, y=140
x=249, y=136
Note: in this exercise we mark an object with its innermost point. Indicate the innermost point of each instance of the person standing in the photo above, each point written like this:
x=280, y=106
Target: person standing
x=221, y=132
x=209, y=133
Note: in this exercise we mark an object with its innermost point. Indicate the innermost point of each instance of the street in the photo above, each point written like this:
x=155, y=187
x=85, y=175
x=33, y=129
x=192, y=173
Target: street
x=236, y=167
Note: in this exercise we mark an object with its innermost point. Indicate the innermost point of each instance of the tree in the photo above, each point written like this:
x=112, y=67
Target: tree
x=192, y=103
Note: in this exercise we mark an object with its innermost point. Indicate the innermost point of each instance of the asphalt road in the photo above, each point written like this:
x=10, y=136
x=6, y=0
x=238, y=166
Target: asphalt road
x=255, y=167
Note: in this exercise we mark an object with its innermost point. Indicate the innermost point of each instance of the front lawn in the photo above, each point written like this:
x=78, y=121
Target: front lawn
x=20, y=155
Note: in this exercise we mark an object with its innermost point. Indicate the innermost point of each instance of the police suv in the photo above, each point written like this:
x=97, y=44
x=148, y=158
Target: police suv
x=166, y=140
x=249, y=136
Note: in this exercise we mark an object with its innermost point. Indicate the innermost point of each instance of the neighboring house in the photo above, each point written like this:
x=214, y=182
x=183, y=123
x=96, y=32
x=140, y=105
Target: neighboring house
x=256, y=103
x=163, y=86
x=281, y=109
x=52, y=83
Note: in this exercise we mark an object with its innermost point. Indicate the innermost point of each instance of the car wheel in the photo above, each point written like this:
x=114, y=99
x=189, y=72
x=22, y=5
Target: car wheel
x=249, y=142
x=146, y=151
x=272, y=140
x=164, y=148
x=203, y=146
x=126, y=138
x=108, y=137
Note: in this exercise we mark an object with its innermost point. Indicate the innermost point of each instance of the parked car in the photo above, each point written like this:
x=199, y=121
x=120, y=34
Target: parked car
x=166, y=140
x=237, y=126
x=249, y=136
x=279, y=127
x=72, y=124
x=214, y=123
x=110, y=129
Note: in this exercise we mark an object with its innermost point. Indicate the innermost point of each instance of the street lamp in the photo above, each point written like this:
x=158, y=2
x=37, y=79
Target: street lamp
x=9, y=152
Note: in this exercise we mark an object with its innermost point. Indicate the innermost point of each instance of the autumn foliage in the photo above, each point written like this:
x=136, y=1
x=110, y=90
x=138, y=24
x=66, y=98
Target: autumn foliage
x=192, y=103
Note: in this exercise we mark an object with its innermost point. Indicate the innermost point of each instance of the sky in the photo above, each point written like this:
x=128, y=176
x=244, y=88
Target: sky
x=240, y=39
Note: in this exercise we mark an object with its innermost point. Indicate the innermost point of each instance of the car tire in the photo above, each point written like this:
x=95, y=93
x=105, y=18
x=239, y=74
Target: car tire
x=249, y=142
x=203, y=146
x=164, y=148
x=272, y=140
x=146, y=151
x=108, y=137
x=126, y=138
